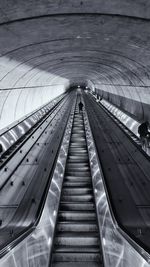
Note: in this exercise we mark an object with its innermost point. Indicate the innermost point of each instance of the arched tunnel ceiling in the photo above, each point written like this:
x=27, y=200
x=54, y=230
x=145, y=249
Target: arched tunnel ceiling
x=46, y=45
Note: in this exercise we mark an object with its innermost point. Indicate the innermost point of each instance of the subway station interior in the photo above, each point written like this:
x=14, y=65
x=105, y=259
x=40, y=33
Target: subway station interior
x=74, y=171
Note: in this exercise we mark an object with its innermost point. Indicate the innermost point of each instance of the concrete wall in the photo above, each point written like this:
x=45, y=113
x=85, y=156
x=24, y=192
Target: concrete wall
x=18, y=9
x=45, y=45
x=136, y=104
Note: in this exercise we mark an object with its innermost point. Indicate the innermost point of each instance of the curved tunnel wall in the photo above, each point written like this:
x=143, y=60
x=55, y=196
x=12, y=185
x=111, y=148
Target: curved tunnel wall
x=45, y=45
x=17, y=103
x=136, y=104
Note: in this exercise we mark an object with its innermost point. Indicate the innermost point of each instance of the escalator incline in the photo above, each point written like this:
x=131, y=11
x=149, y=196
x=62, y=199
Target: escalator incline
x=77, y=240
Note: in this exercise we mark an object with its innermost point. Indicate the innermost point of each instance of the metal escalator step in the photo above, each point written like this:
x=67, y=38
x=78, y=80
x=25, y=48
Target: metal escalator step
x=76, y=191
x=76, y=264
x=78, y=131
x=78, y=157
x=83, y=198
x=78, y=122
x=76, y=256
x=77, y=216
x=75, y=159
x=78, y=184
x=75, y=167
x=82, y=249
x=77, y=145
x=77, y=241
x=69, y=178
x=80, y=145
x=77, y=227
x=80, y=152
x=78, y=165
x=78, y=139
x=73, y=177
x=75, y=137
x=77, y=127
x=77, y=206
x=78, y=173
x=79, y=148
x=77, y=151
x=85, y=170
x=84, y=234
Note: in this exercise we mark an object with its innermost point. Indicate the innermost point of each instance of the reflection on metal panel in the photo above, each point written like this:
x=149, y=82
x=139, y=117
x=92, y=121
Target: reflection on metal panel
x=117, y=251
x=124, y=118
x=10, y=136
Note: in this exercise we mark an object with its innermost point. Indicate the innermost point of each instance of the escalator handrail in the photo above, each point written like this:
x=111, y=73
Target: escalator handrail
x=16, y=123
x=31, y=132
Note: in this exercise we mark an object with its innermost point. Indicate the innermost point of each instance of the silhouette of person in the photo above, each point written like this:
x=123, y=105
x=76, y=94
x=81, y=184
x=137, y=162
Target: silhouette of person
x=80, y=106
x=144, y=133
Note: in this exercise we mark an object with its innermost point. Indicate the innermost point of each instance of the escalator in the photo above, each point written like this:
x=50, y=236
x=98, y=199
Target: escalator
x=77, y=239
x=126, y=174
x=26, y=178
x=77, y=219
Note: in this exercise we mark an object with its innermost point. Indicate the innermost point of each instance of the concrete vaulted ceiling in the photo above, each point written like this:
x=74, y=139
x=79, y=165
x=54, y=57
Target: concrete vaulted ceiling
x=47, y=45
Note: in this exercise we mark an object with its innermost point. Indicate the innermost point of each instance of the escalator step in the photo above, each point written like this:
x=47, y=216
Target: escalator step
x=78, y=241
x=76, y=256
x=77, y=206
x=80, y=184
x=76, y=179
x=77, y=227
x=76, y=191
x=77, y=165
x=76, y=159
x=78, y=173
x=76, y=264
x=85, y=198
x=76, y=216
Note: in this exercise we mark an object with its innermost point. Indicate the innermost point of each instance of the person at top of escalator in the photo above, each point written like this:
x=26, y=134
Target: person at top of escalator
x=144, y=133
x=80, y=106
